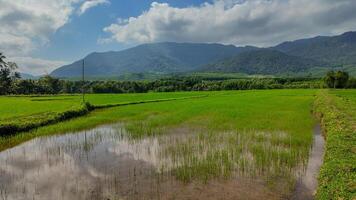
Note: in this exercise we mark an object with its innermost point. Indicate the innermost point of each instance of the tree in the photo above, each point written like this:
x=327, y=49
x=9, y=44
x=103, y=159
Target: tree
x=337, y=79
x=341, y=79
x=25, y=87
x=330, y=79
x=8, y=75
x=351, y=83
x=50, y=85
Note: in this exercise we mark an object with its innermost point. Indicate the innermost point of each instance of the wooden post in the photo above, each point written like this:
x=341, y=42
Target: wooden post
x=83, y=81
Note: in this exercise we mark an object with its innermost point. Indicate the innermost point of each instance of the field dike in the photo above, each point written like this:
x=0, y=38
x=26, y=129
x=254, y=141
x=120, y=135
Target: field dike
x=338, y=173
x=15, y=125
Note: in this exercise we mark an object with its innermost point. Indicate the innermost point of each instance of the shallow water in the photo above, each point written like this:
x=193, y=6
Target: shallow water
x=307, y=184
x=104, y=163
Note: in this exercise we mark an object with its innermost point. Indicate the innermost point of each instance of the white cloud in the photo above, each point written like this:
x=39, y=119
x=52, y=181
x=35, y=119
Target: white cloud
x=15, y=44
x=240, y=22
x=90, y=4
x=27, y=24
x=36, y=66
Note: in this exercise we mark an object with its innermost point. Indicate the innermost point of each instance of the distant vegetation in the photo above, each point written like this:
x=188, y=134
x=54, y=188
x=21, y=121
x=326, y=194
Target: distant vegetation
x=50, y=85
x=11, y=84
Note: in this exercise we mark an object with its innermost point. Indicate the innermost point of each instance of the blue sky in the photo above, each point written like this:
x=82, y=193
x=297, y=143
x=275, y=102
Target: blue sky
x=41, y=35
x=80, y=36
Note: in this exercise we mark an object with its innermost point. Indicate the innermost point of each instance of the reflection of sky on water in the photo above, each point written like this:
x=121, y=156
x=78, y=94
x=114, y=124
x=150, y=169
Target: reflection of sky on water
x=76, y=166
x=104, y=163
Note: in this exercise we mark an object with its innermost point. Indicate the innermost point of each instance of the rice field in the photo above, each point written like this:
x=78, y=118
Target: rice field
x=225, y=139
x=23, y=106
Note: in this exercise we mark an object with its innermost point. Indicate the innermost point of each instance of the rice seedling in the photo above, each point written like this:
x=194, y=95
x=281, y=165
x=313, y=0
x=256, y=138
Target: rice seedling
x=254, y=135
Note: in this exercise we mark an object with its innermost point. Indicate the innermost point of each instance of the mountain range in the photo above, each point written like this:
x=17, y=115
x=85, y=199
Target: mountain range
x=300, y=56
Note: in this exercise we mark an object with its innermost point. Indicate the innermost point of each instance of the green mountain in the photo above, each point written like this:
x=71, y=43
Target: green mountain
x=306, y=56
x=336, y=50
x=150, y=58
x=263, y=61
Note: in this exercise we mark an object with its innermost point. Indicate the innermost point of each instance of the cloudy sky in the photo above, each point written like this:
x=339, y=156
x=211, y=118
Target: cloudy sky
x=41, y=35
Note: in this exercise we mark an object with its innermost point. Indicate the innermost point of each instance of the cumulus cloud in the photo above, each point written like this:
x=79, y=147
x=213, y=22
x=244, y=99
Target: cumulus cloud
x=36, y=66
x=90, y=4
x=27, y=25
x=239, y=22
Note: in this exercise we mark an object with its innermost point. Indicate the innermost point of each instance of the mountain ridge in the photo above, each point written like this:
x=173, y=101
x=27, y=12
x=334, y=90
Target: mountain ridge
x=156, y=57
x=263, y=61
x=171, y=57
x=336, y=50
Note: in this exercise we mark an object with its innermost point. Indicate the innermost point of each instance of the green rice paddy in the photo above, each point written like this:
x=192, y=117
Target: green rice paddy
x=259, y=133
x=23, y=106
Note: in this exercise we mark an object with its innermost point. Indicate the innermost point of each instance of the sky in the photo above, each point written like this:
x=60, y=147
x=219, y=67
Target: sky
x=41, y=35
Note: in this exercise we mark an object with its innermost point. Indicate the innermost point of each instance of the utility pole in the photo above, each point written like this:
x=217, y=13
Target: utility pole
x=83, y=81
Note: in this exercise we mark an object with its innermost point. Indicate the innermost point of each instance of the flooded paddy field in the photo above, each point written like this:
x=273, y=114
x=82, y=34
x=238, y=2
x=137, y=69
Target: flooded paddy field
x=237, y=145
x=106, y=163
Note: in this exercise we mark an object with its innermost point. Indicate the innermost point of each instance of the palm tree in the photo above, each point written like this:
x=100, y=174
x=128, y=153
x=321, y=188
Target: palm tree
x=7, y=75
x=2, y=60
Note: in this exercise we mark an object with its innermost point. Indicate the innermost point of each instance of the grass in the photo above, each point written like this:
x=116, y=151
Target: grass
x=20, y=106
x=264, y=133
x=16, y=107
x=257, y=133
x=235, y=110
x=19, y=124
x=22, y=113
x=337, y=111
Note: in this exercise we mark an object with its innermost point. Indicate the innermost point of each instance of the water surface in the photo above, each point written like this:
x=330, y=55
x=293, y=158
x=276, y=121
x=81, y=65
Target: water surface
x=307, y=183
x=105, y=163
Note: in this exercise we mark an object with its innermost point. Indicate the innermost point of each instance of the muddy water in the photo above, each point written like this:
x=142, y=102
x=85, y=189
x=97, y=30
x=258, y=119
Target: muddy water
x=307, y=184
x=104, y=163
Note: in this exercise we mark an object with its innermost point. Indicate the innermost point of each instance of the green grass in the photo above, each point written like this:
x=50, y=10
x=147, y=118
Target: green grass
x=337, y=111
x=19, y=106
x=275, y=127
x=252, y=110
x=105, y=99
x=16, y=107
x=22, y=113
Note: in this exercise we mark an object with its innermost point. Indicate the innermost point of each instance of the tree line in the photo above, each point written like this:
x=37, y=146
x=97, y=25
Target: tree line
x=51, y=85
x=11, y=83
